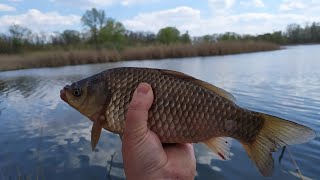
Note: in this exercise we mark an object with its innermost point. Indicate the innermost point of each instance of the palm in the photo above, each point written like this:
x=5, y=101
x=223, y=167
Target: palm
x=156, y=158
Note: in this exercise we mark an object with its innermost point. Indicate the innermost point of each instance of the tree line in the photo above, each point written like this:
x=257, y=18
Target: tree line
x=103, y=32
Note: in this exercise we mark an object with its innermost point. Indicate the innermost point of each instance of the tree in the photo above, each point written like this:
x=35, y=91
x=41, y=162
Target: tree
x=19, y=32
x=277, y=37
x=140, y=37
x=71, y=37
x=95, y=20
x=293, y=33
x=113, y=32
x=185, y=38
x=41, y=39
x=168, y=35
x=208, y=39
x=247, y=37
x=229, y=36
x=56, y=39
x=5, y=45
x=19, y=35
x=315, y=32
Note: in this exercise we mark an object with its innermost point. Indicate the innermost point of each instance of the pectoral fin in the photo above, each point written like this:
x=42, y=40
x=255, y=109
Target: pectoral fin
x=95, y=134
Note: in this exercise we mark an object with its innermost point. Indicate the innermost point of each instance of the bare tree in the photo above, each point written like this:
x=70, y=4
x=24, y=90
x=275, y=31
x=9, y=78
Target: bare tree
x=19, y=32
x=95, y=20
x=19, y=36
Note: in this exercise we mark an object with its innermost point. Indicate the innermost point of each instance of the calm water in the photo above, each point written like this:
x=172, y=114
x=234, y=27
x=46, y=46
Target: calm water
x=42, y=137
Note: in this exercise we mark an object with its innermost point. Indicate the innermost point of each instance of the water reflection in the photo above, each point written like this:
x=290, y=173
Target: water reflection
x=42, y=137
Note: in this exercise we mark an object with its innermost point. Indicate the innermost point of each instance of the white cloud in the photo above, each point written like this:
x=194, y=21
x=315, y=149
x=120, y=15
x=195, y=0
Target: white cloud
x=189, y=19
x=172, y=17
x=258, y=3
x=288, y=5
x=40, y=21
x=85, y=4
x=4, y=7
x=221, y=6
x=132, y=2
x=253, y=3
x=15, y=0
x=100, y=2
x=309, y=9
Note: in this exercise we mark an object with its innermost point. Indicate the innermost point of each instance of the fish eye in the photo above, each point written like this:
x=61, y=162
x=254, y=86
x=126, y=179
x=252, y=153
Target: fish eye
x=76, y=92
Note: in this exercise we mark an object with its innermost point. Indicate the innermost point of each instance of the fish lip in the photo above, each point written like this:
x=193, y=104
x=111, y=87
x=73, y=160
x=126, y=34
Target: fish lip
x=63, y=95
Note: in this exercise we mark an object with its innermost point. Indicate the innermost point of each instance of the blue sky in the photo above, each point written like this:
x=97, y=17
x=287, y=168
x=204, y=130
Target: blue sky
x=199, y=17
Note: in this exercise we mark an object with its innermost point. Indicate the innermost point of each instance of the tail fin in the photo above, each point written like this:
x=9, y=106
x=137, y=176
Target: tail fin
x=274, y=134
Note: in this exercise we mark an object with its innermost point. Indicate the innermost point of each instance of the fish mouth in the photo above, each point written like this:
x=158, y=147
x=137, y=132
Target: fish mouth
x=63, y=95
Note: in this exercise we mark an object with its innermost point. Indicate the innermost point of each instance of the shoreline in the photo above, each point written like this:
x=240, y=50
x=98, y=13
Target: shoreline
x=58, y=58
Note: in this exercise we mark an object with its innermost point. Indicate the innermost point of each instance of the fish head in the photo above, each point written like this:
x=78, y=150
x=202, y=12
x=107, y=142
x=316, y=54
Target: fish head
x=89, y=96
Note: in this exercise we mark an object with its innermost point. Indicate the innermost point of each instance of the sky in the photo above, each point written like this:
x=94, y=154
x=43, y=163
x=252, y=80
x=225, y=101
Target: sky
x=198, y=17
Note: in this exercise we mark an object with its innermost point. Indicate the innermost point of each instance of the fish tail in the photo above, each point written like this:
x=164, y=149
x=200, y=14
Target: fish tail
x=275, y=133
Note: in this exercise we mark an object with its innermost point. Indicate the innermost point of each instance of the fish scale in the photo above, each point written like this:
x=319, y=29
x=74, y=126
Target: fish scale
x=179, y=108
x=184, y=110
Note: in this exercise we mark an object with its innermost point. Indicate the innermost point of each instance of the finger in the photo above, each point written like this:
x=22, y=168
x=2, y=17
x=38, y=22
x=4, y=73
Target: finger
x=136, y=125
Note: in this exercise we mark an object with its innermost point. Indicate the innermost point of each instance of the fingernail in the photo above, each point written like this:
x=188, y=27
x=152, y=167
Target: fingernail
x=143, y=89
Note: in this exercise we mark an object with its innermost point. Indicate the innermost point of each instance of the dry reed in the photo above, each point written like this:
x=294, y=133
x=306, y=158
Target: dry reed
x=74, y=57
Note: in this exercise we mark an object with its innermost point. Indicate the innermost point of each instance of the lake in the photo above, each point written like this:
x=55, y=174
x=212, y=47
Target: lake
x=41, y=137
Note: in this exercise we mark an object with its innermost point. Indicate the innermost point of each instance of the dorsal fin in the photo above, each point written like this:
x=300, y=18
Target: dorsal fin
x=206, y=85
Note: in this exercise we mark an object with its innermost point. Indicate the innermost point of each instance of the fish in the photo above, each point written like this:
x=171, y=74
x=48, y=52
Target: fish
x=185, y=110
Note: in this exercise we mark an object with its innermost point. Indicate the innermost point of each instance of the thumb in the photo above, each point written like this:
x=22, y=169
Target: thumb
x=136, y=125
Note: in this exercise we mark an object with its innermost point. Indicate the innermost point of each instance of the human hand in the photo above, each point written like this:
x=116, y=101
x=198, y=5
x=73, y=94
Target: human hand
x=144, y=156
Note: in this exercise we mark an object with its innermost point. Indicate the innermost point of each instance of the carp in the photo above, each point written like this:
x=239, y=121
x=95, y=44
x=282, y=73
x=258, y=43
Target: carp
x=184, y=110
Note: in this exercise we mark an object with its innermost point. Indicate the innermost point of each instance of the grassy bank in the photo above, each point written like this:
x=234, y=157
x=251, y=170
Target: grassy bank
x=74, y=57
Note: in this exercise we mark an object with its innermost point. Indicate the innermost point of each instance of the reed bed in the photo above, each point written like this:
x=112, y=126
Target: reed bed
x=73, y=57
